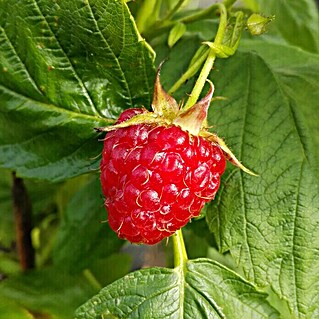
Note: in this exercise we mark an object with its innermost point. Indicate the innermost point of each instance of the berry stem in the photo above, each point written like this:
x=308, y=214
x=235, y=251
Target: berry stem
x=189, y=73
x=210, y=59
x=180, y=255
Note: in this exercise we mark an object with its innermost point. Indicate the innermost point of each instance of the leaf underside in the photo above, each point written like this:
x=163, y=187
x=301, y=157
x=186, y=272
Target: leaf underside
x=83, y=237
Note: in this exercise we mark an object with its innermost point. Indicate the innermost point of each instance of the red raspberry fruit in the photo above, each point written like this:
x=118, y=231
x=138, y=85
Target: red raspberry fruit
x=159, y=168
x=156, y=178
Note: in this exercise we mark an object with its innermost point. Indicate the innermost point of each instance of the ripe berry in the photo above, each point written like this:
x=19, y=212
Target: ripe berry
x=159, y=168
x=156, y=178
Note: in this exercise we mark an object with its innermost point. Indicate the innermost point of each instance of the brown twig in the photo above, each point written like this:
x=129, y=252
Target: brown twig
x=22, y=213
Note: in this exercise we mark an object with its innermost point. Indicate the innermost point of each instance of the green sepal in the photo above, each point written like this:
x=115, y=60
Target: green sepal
x=221, y=51
x=233, y=32
x=231, y=39
x=176, y=33
x=194, y=118
x=227, y=152
x=144, y=118
x=163, y=104
x=257, y=23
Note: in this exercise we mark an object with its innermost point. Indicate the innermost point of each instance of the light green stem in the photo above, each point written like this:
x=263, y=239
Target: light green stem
x=188, y=74
x=160, y=27
x=200, y=15
x=229, y=3
x=174, y=10
x=180, y=255
x=210, y=59
x=200, y=82
x=91, y=279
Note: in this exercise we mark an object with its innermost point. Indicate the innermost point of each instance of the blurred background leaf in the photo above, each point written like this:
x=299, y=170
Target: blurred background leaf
x=296, y=21
x=12, y=310
x=84, y=234
x=48, y=291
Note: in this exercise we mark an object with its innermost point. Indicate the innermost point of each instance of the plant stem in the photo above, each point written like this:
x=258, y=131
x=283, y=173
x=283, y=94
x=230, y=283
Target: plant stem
x=160, y=27
x=210, y=59
x=200, y=82
x=229, y=3
x=91, y=279
x=188, y=74
x=201, y=14
x=174, y=10
x=180, y=255
x=207, y=12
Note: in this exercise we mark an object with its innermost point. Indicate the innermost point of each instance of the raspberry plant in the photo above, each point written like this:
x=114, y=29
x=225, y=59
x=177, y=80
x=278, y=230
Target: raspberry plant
x=68, y=67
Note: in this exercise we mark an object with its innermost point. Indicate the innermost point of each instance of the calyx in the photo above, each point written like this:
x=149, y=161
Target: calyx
x=166, y=111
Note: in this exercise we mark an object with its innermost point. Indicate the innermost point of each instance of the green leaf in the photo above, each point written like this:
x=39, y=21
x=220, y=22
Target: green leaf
x=113, y=267
x=12, y=310
x=251, y=4
x=82, y=238
x=296, y=21
x=298, y=74
x=64, y=69
x=257, y=23
x=176, y=33
x=269, y=223
x=48, y=291
x=8, y=264
x=201, y=291
x=270, y=121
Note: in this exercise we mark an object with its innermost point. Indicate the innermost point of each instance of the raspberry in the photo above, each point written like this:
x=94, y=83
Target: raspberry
x=159, y=168
x=156, y=178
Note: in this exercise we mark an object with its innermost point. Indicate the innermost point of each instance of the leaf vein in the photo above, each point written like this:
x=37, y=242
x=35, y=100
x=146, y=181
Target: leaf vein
x=54, y=108
x=32, y=81
x=242, y=193
x=82, y=85
x=294, y=242
x=112, y=52
x=211, y=302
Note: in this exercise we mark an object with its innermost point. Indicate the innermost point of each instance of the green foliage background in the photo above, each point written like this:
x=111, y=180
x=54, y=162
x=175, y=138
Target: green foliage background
x=67, y=67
